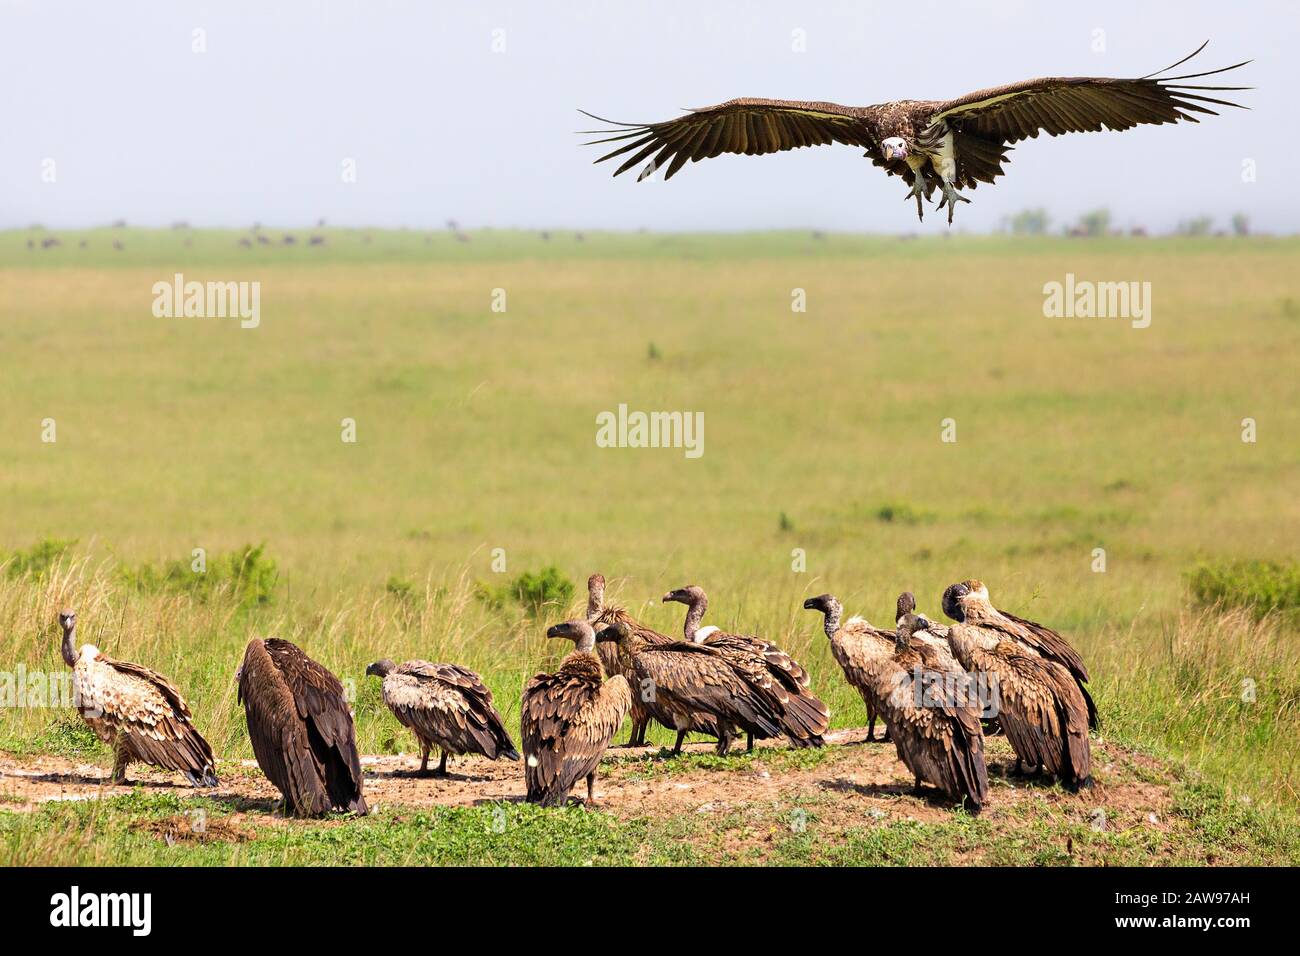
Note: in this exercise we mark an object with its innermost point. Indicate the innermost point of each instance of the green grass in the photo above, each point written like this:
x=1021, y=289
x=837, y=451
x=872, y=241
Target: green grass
x=476, y=432
x=1205, y=826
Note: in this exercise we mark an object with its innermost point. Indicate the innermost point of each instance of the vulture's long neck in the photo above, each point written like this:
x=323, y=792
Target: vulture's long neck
x=832, y=622
x=595, y=603
x=69, y=648
x=694, y=615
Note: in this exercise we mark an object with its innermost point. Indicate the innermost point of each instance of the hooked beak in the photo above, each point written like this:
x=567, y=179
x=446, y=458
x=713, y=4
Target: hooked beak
x=556, y=630
x=810, y=604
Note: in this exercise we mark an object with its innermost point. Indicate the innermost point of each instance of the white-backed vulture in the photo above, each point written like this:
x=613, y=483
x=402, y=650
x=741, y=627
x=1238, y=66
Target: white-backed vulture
x=568, y=718
x=1041, y=641
x=136, y=711
x=863, y=653
x=934, y=635
x=448, y=707
x=806, y=716
x=1042, y=711
x=600, y=615
x=301, y=729
x=684, y=679
x=935, y=718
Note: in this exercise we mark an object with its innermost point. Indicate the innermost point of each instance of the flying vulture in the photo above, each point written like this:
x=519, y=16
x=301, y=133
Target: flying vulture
x=930, y=143
x=1042, y=709
x=600, y=615
x=805, y=714
x=447, y=706
x=863, y=653
x=568, y=718
x=136, y=711
x=301, y=729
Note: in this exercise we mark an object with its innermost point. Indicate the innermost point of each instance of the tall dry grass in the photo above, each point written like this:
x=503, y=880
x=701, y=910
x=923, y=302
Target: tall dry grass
x=1217, y=689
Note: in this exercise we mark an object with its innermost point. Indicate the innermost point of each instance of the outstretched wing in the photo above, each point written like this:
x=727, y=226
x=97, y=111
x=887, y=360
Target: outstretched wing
x=1059, y=105
x=748, y=126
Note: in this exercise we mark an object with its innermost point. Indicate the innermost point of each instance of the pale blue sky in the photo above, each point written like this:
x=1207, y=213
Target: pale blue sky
x=440, y=126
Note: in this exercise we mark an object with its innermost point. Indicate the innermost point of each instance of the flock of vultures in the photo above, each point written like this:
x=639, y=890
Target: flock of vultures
x=938, y=689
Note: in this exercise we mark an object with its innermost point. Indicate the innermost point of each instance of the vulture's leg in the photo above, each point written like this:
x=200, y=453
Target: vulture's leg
x=917, y=788
x=724, y=739
x=749, y=743
x=442, y=766
x=1017, y=771
x=677, y=747
x=120, y=761
x=871, y=723
x=918, y=190
x=591, y=789
x=951, y=197
x=424, y=760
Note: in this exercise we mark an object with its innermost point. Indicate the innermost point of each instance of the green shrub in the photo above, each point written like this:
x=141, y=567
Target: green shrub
x=247, y=575
x=1263, y=586
x=37, y=559
x=548, y=587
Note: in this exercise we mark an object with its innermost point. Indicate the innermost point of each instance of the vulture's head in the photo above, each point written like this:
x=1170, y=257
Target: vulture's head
x=380, y=669
x=828, y=604
x=576, y=631
x=960, y=596
x=67, y=620
x=906, y=605
x=596, y=584
x=895, y=147
x=616, y=632
x=687, y=595
x=910, y=624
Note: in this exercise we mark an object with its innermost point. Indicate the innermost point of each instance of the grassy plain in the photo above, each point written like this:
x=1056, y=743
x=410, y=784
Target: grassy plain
x=475, y=431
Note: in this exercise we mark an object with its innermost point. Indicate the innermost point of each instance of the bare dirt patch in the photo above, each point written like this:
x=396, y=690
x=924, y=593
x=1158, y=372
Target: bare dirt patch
x=854, y=783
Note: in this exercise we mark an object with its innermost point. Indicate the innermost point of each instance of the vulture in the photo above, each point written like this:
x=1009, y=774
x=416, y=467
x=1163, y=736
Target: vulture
x=601, y=615
x=933, y=144
x=301, y=729
x=1040, y=641
x=863, y=653
x=568, y=718
x=136, y=711
x=935, y=718
x=934, y=635
x=686, y=679
x=1042, y=709
x=447, y=706
x=806, y=715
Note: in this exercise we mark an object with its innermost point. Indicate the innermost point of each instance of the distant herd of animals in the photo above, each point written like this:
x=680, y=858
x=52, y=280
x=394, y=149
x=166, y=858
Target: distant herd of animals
x=916, y=678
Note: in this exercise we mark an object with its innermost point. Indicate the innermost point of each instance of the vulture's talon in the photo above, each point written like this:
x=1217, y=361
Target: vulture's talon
x=950, y=197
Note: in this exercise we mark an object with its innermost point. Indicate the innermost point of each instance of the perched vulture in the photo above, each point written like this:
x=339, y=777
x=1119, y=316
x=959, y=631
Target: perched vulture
x=806, y=716
x=301, y=729
x=935, y=718
x=934, y=635
x=1038, y=640
x=600, y=615
x=863, y=653
x=1042, y=710
x=447, y=706
x=568, y=718
x=932, y=144
x=137, y=712
x=684, y=680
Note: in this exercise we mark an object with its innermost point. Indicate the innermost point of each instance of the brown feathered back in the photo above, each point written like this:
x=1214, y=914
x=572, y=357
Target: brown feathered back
x=301, y=729
x=448, y=706
x=143, y=715
x=567, y=720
